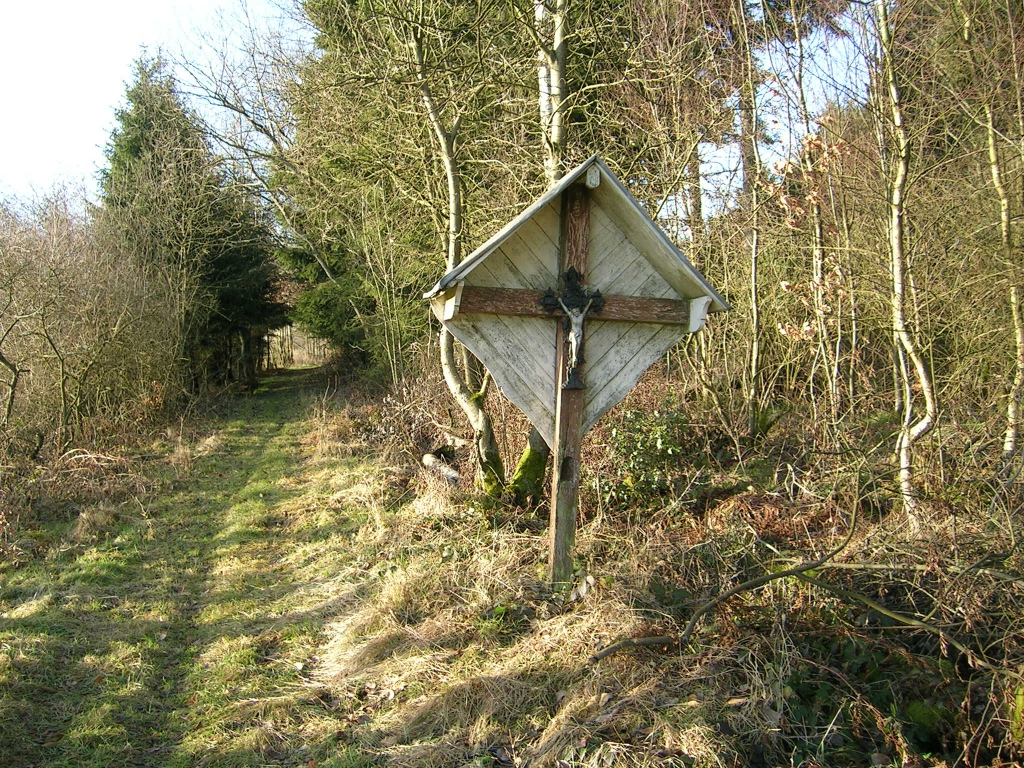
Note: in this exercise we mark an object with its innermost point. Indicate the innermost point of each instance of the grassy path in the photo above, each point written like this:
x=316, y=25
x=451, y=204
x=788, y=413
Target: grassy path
x=180, y=633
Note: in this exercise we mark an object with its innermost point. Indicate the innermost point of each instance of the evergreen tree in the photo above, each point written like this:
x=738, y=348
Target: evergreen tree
x=170, y=205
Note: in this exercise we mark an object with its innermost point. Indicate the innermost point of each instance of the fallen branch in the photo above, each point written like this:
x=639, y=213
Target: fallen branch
x=917, y=568
x=975, y=660
x=666, y=641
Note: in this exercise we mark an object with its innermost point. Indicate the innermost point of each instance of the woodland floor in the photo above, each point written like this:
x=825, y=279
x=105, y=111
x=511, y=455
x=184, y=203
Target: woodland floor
x=268, y=590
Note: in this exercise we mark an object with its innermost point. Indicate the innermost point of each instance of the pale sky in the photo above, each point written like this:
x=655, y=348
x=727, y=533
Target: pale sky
x=64, y=66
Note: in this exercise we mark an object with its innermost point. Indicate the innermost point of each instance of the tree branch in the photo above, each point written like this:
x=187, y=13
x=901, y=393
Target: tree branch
x=746, y=586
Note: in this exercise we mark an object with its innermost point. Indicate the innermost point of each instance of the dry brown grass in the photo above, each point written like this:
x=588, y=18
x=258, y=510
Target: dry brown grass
x=460, y=646
x=395, y=619
x=459, y=655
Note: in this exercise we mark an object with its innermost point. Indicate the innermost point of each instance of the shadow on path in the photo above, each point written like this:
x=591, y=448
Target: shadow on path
x=118, y=652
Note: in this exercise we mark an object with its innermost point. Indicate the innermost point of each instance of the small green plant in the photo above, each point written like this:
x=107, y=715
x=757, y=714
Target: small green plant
x=763, y=419
x=648, y=448
x=1017, y=714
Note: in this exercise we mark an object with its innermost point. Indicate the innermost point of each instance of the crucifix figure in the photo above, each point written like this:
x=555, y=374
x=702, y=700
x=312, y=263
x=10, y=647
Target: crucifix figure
x=575, y=317
x=576, y=303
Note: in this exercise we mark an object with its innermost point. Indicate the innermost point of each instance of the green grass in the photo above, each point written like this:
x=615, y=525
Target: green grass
x=149, y=645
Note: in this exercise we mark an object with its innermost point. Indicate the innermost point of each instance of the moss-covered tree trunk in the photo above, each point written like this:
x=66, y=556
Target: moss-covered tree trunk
x=526, y=488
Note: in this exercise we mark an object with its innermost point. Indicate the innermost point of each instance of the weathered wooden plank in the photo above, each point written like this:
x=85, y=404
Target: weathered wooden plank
x=617, y=383
x=497, y=271
x=565, y=480
x=536, y=275
x=638, y=277
x=537, y=337
x=630, y=217
x=575, y=230
x=565, y=476
x=600, y=227
x=484, y=277
x=500, y=270
x=519, y=271
x=655, y=287
x=634, y=340
x=602, y=336
x=531, y=239
x=615, y=255
x=603, y=243
x=511, y=301
x=502, y=301
x=549, y=222
x=511, y=375
x=534, y=370
x=643, y=309
x=608, y=338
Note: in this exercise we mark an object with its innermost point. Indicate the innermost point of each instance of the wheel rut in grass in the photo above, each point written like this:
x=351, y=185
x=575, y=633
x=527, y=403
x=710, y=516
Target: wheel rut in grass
x=158, y=642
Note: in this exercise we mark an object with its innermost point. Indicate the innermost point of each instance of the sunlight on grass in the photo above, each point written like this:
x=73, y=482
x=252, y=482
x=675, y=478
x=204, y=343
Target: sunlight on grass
x=29, y=608
x=290, y=603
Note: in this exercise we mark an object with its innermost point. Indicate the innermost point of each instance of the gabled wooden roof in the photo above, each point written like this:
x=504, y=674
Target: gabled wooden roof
x=630, y=217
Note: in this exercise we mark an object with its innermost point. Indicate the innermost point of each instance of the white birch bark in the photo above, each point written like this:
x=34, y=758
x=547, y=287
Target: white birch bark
x=489, y=470
x=551, y=28
x=912, y=428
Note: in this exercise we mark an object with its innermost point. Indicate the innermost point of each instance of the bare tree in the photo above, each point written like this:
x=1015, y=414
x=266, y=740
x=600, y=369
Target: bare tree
x=914, y=372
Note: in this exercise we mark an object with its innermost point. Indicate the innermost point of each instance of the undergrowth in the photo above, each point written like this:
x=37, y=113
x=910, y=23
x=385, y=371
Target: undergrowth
x=301, y=591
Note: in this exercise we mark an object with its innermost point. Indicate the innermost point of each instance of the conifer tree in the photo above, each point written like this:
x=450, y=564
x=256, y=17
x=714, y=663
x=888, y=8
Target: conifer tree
x=170, y=205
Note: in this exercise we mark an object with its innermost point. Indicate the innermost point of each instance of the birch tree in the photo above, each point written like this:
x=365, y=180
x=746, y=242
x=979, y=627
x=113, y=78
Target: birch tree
x=409, y=81
x=915, y=376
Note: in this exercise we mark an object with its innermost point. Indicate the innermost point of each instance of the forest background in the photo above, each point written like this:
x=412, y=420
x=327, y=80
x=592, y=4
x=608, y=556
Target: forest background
x=849, y=175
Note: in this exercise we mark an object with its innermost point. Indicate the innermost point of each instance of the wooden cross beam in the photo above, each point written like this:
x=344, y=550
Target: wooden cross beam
x=523, y=303
x=569, y=398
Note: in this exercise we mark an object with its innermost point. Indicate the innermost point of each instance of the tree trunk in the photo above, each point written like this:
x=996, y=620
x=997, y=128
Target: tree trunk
x=1017, y=388
x=527, y=484
x=1006, y=243
x=551, y=81
x=810, y=157
x=751, y=161
x=490, y=474
x=526, y=488
x=911, y=431
x=748, y=135
x=695, y=210
x=248, y=361
x=15, y=371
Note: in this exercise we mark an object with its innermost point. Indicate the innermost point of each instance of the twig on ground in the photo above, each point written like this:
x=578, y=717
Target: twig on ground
x=680, y=642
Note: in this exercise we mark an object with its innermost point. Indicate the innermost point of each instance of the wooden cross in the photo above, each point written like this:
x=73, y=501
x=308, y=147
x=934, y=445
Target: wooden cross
x=569, y=393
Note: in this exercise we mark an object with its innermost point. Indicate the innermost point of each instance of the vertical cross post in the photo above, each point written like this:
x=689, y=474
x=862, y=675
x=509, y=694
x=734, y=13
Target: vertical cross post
x=565, y=475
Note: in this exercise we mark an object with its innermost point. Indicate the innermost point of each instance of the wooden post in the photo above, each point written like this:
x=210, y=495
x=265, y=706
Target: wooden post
x=565, y=475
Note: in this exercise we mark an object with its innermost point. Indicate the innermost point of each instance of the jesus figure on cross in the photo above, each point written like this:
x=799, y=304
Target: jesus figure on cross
x=576, y=316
